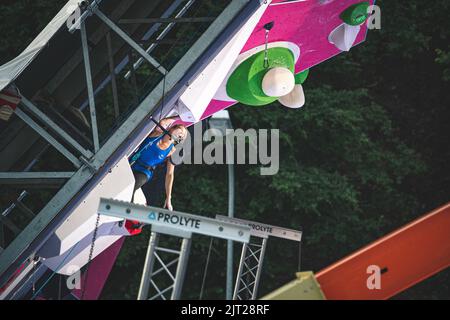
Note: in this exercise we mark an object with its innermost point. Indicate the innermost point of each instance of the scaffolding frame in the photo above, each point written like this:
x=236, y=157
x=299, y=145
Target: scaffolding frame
x=253, y=252
x=249, y=272
x=91, y=164
x=175, y=224
x=149, y=275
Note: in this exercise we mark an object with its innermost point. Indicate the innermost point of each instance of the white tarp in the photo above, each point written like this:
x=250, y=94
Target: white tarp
x=12, y=69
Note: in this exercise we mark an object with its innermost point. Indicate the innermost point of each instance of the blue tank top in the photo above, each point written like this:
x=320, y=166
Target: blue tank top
x=151, y=155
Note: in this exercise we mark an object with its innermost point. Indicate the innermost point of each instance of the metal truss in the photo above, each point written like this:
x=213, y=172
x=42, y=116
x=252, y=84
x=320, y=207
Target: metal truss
x=252, y=256
x=250, y=267
x=170, y=223
x=170, y=289
x=95, y=163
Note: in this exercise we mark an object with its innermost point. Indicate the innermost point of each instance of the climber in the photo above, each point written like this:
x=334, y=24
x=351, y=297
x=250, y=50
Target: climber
x=154, y=151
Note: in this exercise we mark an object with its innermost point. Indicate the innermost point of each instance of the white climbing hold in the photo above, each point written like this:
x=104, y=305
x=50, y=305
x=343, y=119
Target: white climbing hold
x=278, y=82
x=344, y=36
x=295, y=99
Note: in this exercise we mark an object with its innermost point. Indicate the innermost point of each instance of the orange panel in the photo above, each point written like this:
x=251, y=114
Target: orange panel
x=406, y=257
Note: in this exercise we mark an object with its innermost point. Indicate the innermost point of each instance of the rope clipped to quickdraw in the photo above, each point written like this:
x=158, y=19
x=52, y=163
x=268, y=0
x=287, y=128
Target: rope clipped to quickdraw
x=163, y=105
x=267, y=27
x=136, y=155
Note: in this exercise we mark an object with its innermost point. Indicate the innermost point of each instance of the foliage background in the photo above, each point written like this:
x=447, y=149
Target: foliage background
x=368, y=153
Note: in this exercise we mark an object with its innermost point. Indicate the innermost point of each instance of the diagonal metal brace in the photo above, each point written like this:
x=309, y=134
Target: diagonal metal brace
x=130, y=41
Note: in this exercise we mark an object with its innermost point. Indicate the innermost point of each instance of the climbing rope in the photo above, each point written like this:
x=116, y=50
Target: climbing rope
x=36, y=292
x=205, y=272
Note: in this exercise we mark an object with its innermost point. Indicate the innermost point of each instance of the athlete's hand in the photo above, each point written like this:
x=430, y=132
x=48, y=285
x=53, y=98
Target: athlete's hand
x=168, y=204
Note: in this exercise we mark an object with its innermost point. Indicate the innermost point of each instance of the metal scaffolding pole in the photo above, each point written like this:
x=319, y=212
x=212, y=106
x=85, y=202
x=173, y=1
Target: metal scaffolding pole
x=249, y=273
x=112, y=72
x=63, y=134
x=90, y=87
x=181, y=268
x=130, y=41
x=36, y=178
x=163, y=33
x=252, y=256
x=157, y=280
x=230, y=253
x=166, y=20
x=73, y=191
x=147, y=273
x=47, y=136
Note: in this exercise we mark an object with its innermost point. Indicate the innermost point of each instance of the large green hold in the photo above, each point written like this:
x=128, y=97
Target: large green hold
x=245, y=83
x=301, y=77
x=356, y=14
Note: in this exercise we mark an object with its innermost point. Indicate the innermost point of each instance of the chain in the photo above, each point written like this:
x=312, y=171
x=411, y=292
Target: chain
x=91, y=253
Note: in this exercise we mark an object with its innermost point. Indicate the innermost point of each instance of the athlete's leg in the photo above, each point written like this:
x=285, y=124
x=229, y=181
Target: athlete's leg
x=139, y=180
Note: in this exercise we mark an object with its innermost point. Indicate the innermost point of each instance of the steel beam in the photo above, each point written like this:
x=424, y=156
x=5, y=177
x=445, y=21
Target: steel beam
x=181, y=268
x=90, y=86
x=77, y=57
x=47, y=136
x=36, y=178
x=163, y=33
x=86, y=14
x=20, y=291
x=263, y=230
x=249, y=272
x=69, y=196
x=8, y=223
x=130, y=41
x=53, y=126
x=184, y=222
x=177, y=257
x=148, y=266
x=164, y=41
x=145, y=38
x=112, y=73
x=28, y=268
x=166, y=20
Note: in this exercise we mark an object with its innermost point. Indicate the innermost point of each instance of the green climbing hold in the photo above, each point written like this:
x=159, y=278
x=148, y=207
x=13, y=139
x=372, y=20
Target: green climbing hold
x=356, y=14
x=244, y=84
x=301, y=76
